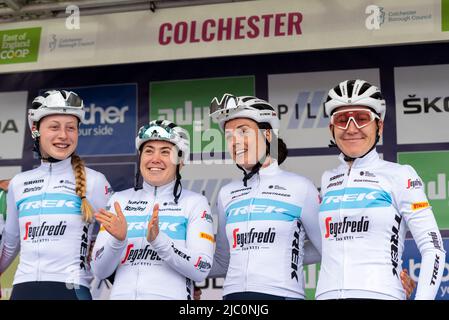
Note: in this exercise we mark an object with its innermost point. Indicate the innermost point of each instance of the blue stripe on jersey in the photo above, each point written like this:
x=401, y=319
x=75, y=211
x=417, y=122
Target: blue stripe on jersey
x=262, y=209
x=354, y=198
x=49, y=203
x=174, y=227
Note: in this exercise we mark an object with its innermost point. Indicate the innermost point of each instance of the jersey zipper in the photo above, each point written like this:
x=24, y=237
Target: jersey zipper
x=143, y=239
x=342, y=292
x=44, y=194
x=255, y=191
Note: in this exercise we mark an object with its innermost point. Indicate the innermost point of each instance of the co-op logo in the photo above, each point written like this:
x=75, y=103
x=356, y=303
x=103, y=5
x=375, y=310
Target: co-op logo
x=414, y=104
x=306, y=112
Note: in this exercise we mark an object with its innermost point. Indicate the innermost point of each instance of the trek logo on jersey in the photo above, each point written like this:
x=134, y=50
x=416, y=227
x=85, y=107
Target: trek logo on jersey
x=202, y=265
x=414, y=184
x=206, y=216
x=295, y=252
x=355, y=198
x=262, y=209
x=44, y=230
x=346, y=229
x=394, y=241
x=420, y=205
x=174, y=227
x=243, y=239
x=180, y=253
x=49, y=203
x=146, y=253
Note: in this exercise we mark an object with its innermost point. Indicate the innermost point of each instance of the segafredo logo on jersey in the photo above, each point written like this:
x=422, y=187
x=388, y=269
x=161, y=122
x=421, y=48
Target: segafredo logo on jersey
x=206, y=216
x=354, y=198
x=146, y=253
x=43, y=230
x=49, y=203
x=262, y=209
x=202, y=265
x=243, y=239
x=174, y=227
x=347, y=229
x=414, y=184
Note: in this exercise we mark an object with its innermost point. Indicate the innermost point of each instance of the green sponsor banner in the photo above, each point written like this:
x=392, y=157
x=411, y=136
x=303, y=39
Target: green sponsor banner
x=7, y=279
x=433, y=169
x=19, y=45
x=311, y=279
x=186, y=102
x=444, y=15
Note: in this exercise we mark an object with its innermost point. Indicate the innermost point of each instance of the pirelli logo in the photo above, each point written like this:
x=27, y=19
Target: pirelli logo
x=420, y=205
x=207, y=236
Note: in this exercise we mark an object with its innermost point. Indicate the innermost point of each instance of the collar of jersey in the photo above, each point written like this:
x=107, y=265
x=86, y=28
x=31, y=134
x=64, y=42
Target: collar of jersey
x=162, y=190
x=368, y=160
x=271, y=170
x=57, y=167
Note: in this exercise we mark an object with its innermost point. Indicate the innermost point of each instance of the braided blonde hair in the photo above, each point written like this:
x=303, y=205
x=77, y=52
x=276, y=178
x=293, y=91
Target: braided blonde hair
x=81, y=185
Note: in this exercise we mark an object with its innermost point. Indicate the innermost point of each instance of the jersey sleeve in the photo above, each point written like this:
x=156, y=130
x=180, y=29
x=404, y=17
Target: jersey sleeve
x=11, y=233
x=107, y=250
x=222, y=250
x=101, y=192
x=194, y=261
x=418, y=215
x=310, y=221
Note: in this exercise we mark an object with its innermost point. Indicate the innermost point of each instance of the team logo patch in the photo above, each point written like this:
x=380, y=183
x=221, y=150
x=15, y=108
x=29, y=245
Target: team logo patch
x=207, y=236
x=420, y=205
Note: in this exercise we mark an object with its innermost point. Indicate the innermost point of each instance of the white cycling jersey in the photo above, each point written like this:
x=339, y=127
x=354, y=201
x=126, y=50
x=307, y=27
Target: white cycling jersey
x=364, y=215
x=44, y=222
x=261, y=232
x=164, y=268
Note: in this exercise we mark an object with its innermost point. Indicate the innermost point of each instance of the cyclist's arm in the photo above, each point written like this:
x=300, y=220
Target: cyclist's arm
x=107, y=251
x=194, y=260
x=222, y=250
x=11, y=233
x=310, y=220
x=419, y=217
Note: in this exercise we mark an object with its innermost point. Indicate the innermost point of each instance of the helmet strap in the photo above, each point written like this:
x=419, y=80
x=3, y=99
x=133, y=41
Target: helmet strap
x=37, y=149
x=137, y=185
x=177, y=190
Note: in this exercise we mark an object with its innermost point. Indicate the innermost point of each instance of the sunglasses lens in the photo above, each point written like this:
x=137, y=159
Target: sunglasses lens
x=155, y=132
x=360, y=117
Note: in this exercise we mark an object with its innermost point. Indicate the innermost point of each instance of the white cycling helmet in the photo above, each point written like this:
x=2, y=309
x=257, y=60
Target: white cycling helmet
x=231, y=107
x=164, y=130
x=355, y=93
x=55, y=102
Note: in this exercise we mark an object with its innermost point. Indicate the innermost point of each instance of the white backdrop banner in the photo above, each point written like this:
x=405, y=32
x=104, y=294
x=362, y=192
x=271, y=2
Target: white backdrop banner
x=12, y=123
x=237, y=28
x=422, y=104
